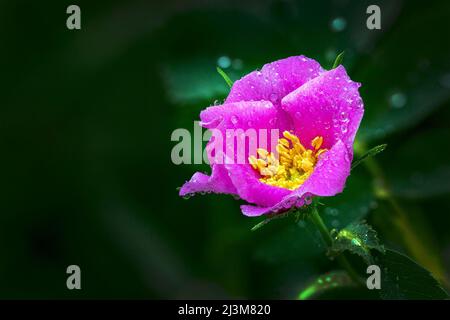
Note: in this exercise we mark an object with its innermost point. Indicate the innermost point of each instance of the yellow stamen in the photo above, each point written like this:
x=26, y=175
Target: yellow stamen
x=295, y=163
x=320, y=152
x=317, y=143
x=262, y=153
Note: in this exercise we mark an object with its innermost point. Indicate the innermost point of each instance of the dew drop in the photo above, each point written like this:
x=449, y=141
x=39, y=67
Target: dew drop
x=332, y=211
x=335, y=123
x=308, y=200
x=397, y=100
x=344, y=128
x=237, y=64
x=373, y=205
x=346, y=157
x=234, y=120
x=273, y=97
x=338, y=24
x=301, y=224
x=445, y=80
x=224, y=62
x=330, y=54
x=344, y=116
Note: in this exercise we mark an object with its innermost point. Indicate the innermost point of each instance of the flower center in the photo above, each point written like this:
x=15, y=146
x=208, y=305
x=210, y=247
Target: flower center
x=294, y=164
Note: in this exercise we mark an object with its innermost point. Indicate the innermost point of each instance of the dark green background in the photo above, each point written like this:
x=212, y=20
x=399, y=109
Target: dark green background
x=86, y=118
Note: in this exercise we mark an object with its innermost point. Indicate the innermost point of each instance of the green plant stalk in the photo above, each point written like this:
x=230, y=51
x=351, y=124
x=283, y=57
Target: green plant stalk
x=328, y=240
x=411, y=241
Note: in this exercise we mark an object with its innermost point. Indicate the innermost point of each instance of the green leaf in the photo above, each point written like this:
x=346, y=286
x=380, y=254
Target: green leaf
x=329, y=281
x=191, y=81
x=225, y=77
x=296, y=241
x=284, y=241
x=372, y=152
x=358, y=238
x=338, y=60
x=189, y=75
x=287, y=256
x=402, y=278
x=400, y=88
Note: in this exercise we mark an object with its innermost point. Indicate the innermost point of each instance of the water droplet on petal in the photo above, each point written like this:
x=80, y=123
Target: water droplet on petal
x=273, y=97
x=346, y=157
x=308, y=199
x=344, y=128
x=234, y=120
x=335, y=123
x=344, y=116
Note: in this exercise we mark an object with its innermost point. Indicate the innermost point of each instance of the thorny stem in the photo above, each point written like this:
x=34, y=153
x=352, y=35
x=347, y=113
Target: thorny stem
x=341, y=259
x=412, y=243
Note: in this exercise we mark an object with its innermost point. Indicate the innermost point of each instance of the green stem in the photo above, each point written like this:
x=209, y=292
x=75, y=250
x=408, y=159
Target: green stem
x=328, y=240
x=411, y=240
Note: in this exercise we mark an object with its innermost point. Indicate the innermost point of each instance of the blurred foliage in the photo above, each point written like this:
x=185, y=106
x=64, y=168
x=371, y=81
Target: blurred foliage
x=86, y=120
x=404, y=279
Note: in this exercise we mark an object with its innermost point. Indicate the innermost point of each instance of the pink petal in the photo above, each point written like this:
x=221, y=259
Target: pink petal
x=328, y=179
x=240, y=115
x=275, y=80
x=329, y=106
x=249, y=188
x=218, y=182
